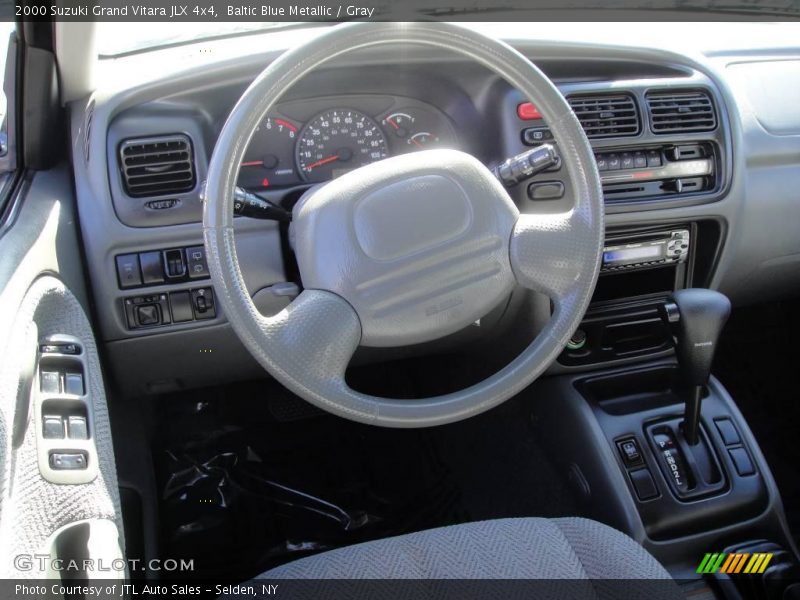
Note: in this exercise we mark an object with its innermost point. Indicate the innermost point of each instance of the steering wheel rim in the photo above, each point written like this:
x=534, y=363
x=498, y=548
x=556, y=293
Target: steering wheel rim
x=308, y=346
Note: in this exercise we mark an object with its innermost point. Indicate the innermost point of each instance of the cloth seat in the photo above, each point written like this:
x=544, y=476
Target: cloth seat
x=610, y=563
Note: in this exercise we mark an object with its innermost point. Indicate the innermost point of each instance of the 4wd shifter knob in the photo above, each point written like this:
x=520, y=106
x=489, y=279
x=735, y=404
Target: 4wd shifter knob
x=702, y=315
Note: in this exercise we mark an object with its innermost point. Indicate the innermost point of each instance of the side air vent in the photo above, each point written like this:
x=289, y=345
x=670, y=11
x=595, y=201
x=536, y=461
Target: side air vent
x=609, y=115
x=157, y=166
x=681, y=111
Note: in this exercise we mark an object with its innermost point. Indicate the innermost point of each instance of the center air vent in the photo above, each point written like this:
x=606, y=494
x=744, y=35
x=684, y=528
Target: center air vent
x=611, y=115
x=157, y=166
x=681, y=111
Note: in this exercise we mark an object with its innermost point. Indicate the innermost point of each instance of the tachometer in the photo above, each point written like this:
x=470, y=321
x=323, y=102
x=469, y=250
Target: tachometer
x=268, y=159
x=338, y=141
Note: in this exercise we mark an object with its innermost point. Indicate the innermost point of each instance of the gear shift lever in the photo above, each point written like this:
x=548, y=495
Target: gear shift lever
x=701, y=315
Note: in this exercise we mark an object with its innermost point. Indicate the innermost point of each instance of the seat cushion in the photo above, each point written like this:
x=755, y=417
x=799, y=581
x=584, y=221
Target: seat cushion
x=529, y=548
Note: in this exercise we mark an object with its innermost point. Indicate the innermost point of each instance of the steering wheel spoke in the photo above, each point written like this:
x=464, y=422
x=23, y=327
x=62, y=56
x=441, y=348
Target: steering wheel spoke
x=549, y=252
x=317, y=333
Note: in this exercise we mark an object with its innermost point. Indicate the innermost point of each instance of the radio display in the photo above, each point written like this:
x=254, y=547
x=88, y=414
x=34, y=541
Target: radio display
x=632, y=255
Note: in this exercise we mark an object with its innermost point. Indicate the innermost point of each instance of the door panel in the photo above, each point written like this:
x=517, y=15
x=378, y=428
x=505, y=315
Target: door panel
x=42, y=298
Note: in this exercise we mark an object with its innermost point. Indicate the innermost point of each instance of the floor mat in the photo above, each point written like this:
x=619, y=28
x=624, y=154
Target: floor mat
x=757, y=360
x=243, y=491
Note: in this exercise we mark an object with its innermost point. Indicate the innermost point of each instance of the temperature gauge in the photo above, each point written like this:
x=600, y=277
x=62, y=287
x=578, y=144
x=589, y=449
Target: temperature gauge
x=423, y=139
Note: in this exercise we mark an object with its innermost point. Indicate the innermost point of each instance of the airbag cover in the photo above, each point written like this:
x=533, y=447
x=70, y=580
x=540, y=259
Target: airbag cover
x=417, y=244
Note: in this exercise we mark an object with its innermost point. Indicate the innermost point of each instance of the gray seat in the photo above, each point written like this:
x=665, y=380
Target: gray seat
x=530, y=548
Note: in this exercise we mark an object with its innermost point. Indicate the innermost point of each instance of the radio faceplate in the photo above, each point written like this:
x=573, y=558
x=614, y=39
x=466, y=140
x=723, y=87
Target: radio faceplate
x=659, y=248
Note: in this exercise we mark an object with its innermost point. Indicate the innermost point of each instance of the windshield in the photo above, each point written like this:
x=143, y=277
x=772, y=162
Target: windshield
x=115, y=39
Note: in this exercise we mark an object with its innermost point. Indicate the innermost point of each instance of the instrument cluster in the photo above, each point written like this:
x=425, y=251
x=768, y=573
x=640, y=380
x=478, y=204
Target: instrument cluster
x=312, y=141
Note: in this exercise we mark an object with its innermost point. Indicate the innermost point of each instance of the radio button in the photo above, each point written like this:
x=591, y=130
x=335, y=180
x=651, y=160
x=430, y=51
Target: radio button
x=653, y=158
x=626, y=160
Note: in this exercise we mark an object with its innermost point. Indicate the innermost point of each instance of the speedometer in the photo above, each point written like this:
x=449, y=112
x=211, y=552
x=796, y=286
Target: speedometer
x=337, y=141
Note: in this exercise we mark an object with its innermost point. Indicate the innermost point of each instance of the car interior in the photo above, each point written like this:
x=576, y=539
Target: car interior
x=404, y=301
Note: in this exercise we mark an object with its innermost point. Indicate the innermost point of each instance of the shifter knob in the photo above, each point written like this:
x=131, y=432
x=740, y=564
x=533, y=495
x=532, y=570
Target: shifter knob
x=701, y=315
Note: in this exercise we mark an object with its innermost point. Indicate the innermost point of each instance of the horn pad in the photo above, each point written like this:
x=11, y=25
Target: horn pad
x=418, y=244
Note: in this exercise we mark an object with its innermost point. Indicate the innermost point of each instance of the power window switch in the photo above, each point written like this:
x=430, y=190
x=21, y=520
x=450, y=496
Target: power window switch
x=77, y=428
x=73, y=384
x=50, y=382
x=68, y=461
x=53, y=427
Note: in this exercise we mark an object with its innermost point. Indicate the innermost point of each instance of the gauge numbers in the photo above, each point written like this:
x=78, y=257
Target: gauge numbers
x=268, y=159
x=337, y=141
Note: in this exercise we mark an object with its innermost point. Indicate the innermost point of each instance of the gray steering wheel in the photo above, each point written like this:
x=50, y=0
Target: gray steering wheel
x=410, y=248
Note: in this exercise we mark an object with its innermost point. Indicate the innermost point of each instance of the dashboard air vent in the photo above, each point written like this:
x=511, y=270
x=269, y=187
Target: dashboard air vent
x=609, y=115
x=681, y=111
x=157, y=166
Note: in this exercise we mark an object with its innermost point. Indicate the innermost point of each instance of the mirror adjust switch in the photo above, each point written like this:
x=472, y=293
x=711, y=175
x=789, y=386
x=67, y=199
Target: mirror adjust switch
x=68, y=461
x=203, y=303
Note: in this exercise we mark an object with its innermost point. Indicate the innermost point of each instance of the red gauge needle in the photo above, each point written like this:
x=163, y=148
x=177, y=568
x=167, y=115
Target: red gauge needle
x=392, y=123
x=416, y=143
x=253, y=163
x=324, y=161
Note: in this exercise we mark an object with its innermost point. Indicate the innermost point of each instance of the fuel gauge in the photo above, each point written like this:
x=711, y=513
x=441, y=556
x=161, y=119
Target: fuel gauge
x=399, y=125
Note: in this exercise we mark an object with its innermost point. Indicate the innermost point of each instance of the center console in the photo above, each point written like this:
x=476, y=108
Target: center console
x=660, y=450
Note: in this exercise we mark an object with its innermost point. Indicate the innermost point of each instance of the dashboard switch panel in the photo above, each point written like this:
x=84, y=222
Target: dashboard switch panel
x=156, y=267
x=182, y=306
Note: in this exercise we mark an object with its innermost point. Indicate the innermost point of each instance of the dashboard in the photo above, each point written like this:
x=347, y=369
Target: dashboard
x=668, y=132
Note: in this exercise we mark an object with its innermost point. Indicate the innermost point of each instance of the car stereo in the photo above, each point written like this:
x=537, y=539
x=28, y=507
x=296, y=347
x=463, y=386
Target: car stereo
x=658, y=248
